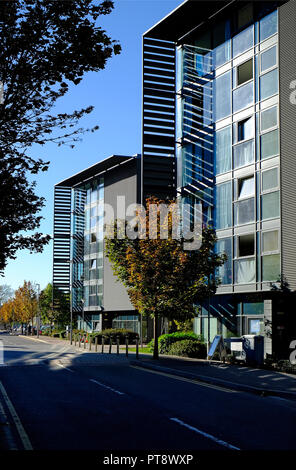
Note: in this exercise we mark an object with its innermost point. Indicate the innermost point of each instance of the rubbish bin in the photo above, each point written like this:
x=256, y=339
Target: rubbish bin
x=253, y=346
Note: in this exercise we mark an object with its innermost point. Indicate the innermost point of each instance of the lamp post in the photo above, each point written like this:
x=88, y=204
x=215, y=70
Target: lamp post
x=38, y=310
x=82, y=301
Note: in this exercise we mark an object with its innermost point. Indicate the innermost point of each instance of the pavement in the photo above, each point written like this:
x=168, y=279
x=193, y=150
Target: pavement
x=258, y=381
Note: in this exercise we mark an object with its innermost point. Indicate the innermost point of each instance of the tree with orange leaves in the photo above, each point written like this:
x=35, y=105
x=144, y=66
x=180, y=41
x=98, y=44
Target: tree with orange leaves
x=163, y=279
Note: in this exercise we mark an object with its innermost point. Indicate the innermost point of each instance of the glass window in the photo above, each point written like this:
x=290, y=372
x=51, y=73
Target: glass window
x=223, y=205
x=246, y=245
x=243, y=96
x=245, y=15
x=246, y=187
x=244, y=211
x=255, y=326
x=93, y=195
x=222, y=96
x=270, y=179
x=243, y=41
x=269, y=84
x=270, y=205
x=268, y=59
x=93, y=264
x=268, y=26
x=269, y=118
x=271, y=268
x=270, y=241
x=222, y=43
x=244, y=271
x=225, y=272
x=93, y=238
x=243, y=154
x=253, y=308
x=245, y=129
x=245, y=72
x=270, y=144
x=223, y=149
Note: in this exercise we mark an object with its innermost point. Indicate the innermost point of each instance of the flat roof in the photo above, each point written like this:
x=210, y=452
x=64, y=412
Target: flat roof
x=184, y=18
x=100, y=167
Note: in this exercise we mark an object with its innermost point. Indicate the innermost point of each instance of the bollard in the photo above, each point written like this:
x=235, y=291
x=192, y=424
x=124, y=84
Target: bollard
x=117, y=342
x=137, y=347
x=75, y=337
x=126, y=345
x=84, y=341
x=79, y=340
x=96, y=343
x=110, y=344
x=103, y=340
x=89, y=340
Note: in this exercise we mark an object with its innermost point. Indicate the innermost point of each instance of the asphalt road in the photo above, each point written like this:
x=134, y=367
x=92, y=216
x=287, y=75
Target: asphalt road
x=53, y=397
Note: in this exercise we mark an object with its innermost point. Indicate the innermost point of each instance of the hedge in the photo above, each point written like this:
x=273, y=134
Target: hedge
x=165, y=341
x=188, y=348
x=114, y=332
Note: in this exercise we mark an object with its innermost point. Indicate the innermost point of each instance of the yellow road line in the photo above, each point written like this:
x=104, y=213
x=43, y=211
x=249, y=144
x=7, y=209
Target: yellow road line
x=184, y=379
x=22, y=433
x=36, y=339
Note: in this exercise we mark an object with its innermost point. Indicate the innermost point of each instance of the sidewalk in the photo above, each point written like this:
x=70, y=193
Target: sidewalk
x=258, y=381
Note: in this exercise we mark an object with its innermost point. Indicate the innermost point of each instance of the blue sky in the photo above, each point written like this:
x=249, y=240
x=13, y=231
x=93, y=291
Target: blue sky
x=116, y=94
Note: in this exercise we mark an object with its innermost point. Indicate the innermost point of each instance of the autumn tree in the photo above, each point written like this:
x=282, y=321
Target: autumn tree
x=26, y=302
x=163, y=279
x=47, y=46
x=6, y=293
x=8, y=312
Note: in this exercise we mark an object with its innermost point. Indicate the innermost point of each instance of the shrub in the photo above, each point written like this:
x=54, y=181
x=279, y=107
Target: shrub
x=114, y=332
x=188, y=348
x=165, y=341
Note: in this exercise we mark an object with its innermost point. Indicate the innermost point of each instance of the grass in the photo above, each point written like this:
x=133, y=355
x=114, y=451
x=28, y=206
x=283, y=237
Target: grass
x=141, y=350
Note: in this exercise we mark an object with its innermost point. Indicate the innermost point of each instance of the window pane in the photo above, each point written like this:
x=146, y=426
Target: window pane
x=268, y=26
x=269, y=84
x=269, y=118
x=270, y=241
x=244, y=271
x=222, y=96
x=270, y=179
x=245, y=72
x=223, y=150
x=225, y=271
x=243, y=154
x=271, y=267
x=255, y=326
x=223, y=205
x=270, y=144
x=222, y=43
x=243, y=97
x=253, y=308
x=245, y=129
x=243, y=41
x=268, y=58
x=246, y=245
x=244, y=211
x=270, y=205
x=246, y=187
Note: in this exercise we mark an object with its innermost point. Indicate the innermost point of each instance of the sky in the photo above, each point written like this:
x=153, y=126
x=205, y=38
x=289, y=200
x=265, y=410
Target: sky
x=116, y=93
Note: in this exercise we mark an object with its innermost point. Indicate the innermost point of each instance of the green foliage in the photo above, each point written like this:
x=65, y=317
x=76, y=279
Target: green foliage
x=114, y=332
x=47, y=46
x=188, y=348
x=57, y=312
x=165, y=341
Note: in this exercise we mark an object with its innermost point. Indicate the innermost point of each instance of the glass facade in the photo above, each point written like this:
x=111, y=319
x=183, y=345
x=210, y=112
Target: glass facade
x=236, y=119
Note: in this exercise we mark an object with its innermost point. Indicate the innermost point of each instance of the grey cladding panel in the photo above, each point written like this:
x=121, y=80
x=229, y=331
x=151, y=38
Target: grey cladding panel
x=287, y=53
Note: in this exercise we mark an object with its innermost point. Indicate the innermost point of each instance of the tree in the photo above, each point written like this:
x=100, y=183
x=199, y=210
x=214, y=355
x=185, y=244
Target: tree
x=161, y=278
x=26, y=302
x=8, y=312
x=46, y=46
x=6, y=293
x=57, y=312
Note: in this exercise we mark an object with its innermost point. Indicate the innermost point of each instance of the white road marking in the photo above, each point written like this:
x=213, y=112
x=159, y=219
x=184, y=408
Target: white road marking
x=64, y=367
x=205, y=434
x=106, y=386
x=184, y=379
x=22, y=433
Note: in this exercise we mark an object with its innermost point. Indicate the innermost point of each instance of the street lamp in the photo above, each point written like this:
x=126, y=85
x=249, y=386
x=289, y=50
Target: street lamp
x=38, y=310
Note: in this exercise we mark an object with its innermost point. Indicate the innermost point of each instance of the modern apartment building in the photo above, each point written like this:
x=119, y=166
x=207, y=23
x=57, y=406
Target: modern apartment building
x=217, y=103
x=99, y=301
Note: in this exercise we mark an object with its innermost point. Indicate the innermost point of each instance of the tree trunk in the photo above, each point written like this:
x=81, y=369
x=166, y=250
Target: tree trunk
x=155, y=327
